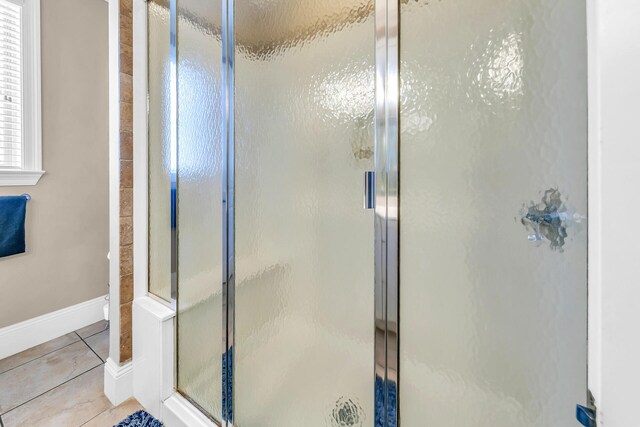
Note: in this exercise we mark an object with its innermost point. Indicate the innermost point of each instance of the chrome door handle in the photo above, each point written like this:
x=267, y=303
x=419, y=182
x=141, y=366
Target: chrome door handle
x=369, y=190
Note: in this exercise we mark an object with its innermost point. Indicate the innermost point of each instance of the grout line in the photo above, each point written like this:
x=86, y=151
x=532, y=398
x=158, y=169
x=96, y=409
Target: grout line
x=116, y=407
x=89, y=420
x=40, y=357
x=96, y=333
x=53, y=388
x=1, y=423
x=90, y=348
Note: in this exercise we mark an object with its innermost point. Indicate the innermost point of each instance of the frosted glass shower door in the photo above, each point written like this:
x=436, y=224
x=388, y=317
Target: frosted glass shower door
x=304, y=101
x=199, y=203
x=493, y=205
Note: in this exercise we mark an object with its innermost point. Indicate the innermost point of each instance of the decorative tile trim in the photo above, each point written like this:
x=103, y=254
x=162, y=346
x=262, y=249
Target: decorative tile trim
x=126, y=175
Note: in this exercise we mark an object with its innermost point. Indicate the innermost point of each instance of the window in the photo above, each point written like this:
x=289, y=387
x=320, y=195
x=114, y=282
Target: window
x=20, y=134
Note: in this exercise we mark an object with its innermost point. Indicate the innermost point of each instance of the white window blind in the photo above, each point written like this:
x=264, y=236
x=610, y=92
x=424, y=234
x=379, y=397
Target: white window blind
x=11, y=138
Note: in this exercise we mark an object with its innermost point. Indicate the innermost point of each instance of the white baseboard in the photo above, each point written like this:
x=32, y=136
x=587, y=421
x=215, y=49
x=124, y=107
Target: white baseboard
x=32, y=332
x=178, y=412
x=118, y=381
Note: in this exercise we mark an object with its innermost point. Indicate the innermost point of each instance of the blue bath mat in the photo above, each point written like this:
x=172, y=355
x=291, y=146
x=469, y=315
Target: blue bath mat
x=139, y=419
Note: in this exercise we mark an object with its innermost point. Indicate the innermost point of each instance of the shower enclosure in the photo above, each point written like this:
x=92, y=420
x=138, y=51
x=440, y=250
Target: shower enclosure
x=371, y=212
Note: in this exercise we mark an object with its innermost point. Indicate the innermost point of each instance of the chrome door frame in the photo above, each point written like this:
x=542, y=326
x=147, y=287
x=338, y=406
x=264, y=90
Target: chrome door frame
x=228, y=214
x=387, y=186
x=173, y=144
x=386, y=219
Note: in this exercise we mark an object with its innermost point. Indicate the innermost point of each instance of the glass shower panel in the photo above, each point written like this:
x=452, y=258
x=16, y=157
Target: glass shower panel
x=493, y=209
x=159, y=137
x=199, y=161
x=304, y=101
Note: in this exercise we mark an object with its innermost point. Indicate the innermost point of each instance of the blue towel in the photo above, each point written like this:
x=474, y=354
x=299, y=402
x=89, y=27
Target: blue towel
x=13, y=210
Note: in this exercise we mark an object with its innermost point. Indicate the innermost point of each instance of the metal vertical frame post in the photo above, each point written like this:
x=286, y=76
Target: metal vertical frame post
x=173, y=143
x=387, y=192
x=228, y=214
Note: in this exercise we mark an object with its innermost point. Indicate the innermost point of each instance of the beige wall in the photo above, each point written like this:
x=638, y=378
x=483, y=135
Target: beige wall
x=67, y=218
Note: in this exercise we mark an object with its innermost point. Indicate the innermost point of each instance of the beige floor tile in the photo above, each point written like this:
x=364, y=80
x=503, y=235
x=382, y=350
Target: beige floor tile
x=100, y=344
x=114, y=415
x=92, y=329
x=69, y=405
x=37, y=351
x=30, y=380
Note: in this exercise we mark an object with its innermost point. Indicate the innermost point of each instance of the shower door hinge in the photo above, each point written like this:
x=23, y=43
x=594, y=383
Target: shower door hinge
x=369, y=190
x=586, y=415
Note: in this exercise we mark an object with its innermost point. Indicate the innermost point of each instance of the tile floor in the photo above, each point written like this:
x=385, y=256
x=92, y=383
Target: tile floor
x=60, y=383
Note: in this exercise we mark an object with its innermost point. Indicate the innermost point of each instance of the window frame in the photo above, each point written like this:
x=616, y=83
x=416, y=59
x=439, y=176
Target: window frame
x=31, y=100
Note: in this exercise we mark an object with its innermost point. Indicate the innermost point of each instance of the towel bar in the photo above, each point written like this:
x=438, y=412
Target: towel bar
x=26, y=196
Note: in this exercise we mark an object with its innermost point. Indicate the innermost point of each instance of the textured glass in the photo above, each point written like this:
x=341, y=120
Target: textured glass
x=304, y=244
x=159, y=136
x=199, y=160
x=493, y=212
